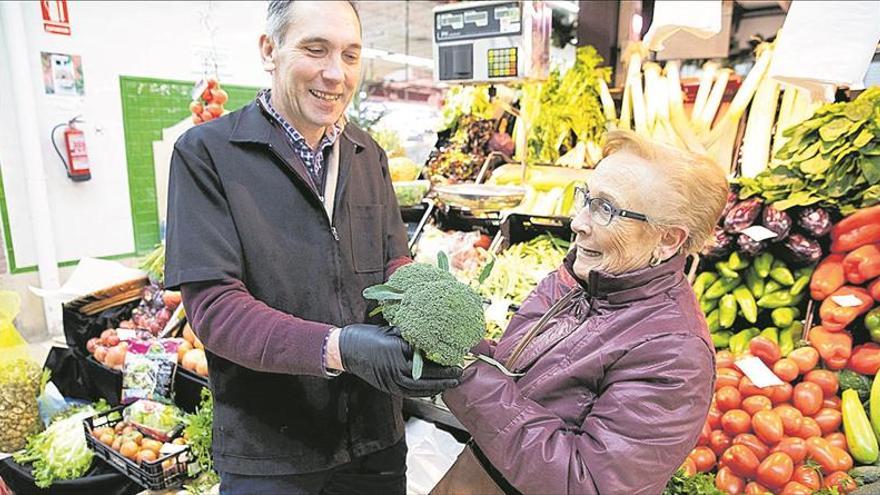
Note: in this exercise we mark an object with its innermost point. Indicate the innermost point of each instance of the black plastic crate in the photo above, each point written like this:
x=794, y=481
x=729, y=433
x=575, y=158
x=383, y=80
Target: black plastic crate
x=518, y=228
x=150, y=475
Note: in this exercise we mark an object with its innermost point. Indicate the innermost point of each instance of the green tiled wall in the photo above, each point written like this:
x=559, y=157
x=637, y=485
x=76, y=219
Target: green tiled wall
x=148, y=106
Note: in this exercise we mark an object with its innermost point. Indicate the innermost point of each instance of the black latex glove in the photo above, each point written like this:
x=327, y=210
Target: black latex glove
x=383, y=359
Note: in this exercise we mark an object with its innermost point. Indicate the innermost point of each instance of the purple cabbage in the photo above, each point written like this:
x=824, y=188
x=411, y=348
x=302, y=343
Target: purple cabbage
x=742, y=215
x=801, y=250
x=748, y=245
x=777, y=221
x=815, y=221
x=731, y=200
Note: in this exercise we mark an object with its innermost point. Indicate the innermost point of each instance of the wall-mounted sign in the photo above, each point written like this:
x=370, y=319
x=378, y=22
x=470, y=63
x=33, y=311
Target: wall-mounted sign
x=62, y=74
x=55, y=18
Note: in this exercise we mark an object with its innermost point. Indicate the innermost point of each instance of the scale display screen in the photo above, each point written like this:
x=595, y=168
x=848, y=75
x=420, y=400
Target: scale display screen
x=479, y=21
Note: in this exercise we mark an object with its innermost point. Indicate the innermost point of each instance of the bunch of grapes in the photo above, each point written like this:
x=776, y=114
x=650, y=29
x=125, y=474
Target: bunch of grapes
x=210, y=105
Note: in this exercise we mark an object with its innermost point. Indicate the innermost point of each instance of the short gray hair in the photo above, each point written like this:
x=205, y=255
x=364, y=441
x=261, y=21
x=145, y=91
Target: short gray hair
x=278, y=18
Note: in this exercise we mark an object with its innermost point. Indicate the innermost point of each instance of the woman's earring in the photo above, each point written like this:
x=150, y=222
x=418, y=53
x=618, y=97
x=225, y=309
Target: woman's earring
x=655, y=260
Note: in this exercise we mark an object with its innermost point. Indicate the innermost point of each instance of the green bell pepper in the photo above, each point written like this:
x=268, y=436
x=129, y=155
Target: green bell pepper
x=779, y=299
x=762, y=264
x=707, y=305
x=772, y=334
x=746, y=301
x=786, y=340
x=720, y=287
x=712, y=321
x=872, y=323
x=783, y=317
x=782, y=275
x=725, y=270
x=727, y=310
x=736, y=262
x=799, y=285
x=702, y=281
x=721, y=339
x=754, y=282
x=771, y=286
x=739, y=342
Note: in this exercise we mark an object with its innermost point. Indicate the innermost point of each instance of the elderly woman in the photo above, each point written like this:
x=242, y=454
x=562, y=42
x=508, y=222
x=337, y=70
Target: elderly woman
x=618, y=370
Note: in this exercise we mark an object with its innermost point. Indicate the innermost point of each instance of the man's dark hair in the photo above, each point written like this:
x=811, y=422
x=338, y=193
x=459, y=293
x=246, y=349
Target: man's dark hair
x=278, y=18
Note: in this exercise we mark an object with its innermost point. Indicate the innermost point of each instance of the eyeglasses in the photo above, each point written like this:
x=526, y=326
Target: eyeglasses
x=601, y=210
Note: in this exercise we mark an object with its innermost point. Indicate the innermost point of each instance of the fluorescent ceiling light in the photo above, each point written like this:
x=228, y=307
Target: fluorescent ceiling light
x=564, y=5
x=400, y=58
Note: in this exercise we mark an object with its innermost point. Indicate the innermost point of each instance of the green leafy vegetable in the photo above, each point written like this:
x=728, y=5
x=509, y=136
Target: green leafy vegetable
x=199, y=436
x=60, y=452
x=566, y=109
x=698, y=484
x=831, y=159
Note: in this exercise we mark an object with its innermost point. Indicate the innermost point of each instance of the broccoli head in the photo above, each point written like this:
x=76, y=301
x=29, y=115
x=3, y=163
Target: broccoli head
x=408, y=277
x=443, y=319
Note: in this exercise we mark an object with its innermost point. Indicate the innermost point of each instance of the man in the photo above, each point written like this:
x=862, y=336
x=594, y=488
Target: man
x=280, y=214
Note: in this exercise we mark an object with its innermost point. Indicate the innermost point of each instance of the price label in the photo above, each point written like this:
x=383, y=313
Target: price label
x=126, y=333
x=171, y=448
x=759, y=233
x=847, y=301
x=758, y=372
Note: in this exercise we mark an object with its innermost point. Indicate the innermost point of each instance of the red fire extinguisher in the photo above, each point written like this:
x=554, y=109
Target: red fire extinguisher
x=77, y=162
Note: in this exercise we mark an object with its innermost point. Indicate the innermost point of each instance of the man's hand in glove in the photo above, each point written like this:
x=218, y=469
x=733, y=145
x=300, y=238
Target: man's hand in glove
x=379, y=356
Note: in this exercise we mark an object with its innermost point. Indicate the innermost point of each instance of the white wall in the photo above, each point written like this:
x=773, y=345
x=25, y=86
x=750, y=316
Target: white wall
x=145, y=39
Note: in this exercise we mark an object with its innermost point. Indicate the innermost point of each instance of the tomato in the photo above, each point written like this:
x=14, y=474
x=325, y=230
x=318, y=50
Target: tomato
x=714, y=417
x=736, y=421
x=741, y=461
x=795, y=447
x=795, y=488
x=840, y=480
x=688, y=467
x=755, y=488
x=768, y=427
x=809, y=428
x=824, y=379
x=820, y=451
x=832, y=402
x=728, y=482
x=212, y=82
x=748, y=389
x=214, y=108
x=727, y=398
x=724, y=359
x=792, y=419
x=776, y=470
x=206, y=115
x=754, y=443
x=780, y=394
x=756, y=403
x=727, y=377
x=704, y=459
x=807, y=476
x=765, y=349
x=219, y=96
x=807, y=398
x=837, y=439
x=806, y=358
x=786, y=369
x=719, y=442
x=196, y=107
x=703, y=440
x=485, y=241
x=844, y=460
x=828, y=420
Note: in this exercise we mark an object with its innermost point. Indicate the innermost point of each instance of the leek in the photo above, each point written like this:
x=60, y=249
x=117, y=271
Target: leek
x=626, y=107
x=707, y=115
x=608, y=107
x=759, y=127
x=634, y=79
x=676, y=109
x=730, y=120
x=709, y=71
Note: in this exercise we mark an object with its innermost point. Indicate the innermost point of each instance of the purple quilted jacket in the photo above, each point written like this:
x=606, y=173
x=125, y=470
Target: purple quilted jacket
x=616, y=388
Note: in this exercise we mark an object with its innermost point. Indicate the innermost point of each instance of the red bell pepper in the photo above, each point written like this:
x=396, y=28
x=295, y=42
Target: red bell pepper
x=836, y=317
x=828, y=277
x=856, y=230
x=874, y=289
x=863, y=264
x=835, y=348
x=865, y=359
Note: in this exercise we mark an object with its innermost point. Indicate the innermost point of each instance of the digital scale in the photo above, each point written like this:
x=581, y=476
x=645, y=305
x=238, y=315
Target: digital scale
x=492, y=42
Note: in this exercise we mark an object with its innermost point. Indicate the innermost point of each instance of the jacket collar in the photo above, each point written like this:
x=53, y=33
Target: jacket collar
x=631, y=286
x=254, y=126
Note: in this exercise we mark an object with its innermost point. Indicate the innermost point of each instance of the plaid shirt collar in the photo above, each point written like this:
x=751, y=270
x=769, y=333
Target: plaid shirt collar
x=313, y=161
